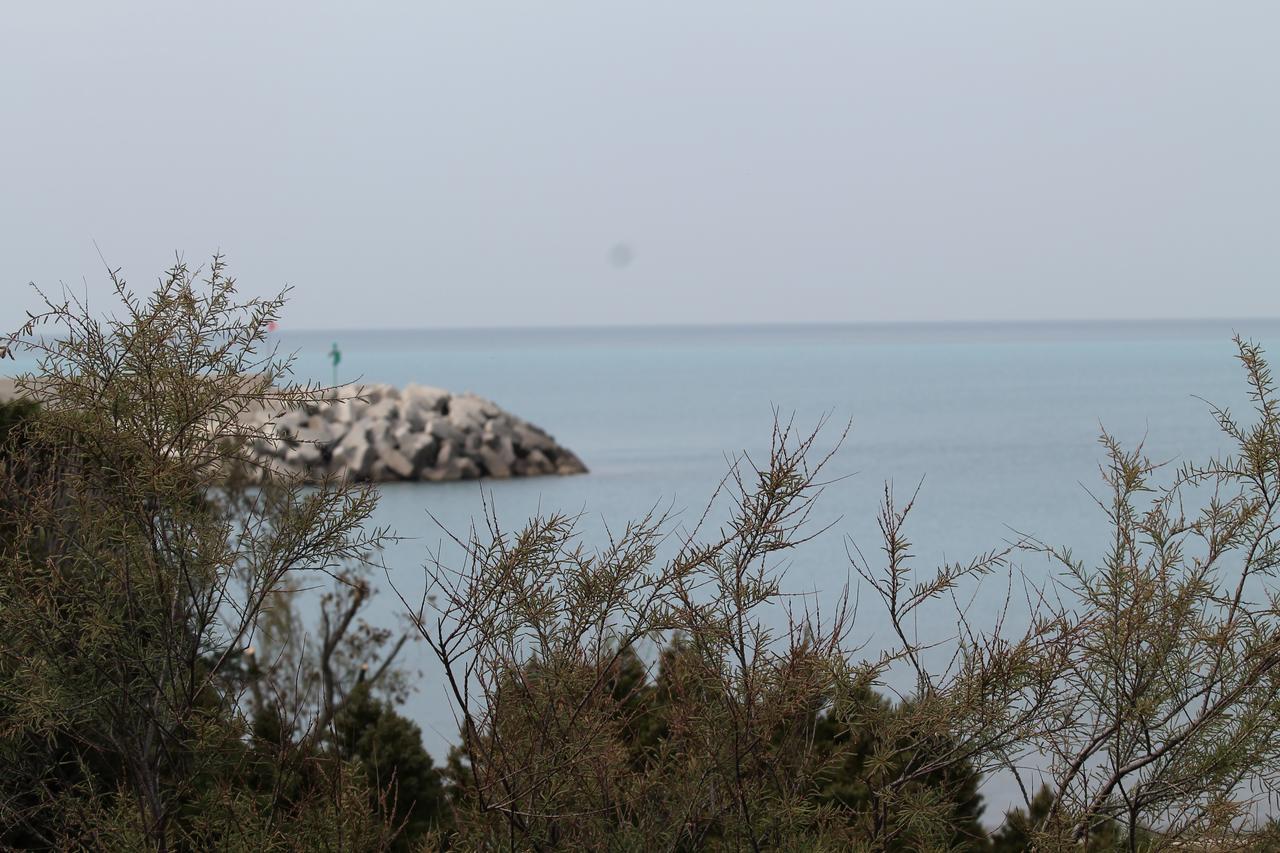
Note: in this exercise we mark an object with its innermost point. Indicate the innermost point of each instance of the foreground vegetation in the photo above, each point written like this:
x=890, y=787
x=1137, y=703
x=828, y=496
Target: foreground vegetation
x=168, y=680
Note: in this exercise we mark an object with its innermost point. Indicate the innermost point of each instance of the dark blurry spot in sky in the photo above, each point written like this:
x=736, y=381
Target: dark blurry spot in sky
x=621, y=256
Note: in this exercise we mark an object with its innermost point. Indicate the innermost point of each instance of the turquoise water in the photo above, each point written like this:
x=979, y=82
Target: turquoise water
x=1000, y=421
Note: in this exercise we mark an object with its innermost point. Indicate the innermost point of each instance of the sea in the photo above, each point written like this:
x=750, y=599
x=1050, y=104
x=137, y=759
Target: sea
x=995, y=424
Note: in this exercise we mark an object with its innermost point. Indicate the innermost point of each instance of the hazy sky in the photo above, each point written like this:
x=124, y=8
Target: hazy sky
x=469, y=163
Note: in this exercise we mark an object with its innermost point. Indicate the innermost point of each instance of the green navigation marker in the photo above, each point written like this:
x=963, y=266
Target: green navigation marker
x=335, y=355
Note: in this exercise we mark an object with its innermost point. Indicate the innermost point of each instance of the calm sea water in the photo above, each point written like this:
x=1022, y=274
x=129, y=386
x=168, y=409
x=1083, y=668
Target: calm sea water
x=1000, y=422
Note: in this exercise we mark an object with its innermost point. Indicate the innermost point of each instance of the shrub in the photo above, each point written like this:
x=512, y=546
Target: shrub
x=1142, y=690
x=134, y=573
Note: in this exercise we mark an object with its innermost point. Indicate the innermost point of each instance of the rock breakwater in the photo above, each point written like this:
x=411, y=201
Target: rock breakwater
x=376, y=432
x=382, y=433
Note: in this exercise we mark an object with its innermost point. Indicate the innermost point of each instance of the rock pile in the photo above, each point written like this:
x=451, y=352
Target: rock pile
x=381, y=433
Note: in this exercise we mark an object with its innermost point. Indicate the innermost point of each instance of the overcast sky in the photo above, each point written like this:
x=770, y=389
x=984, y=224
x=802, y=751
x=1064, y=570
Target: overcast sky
x=477, y=164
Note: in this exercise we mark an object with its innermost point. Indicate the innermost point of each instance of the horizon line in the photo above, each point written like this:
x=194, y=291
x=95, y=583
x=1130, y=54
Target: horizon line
x=793, y=324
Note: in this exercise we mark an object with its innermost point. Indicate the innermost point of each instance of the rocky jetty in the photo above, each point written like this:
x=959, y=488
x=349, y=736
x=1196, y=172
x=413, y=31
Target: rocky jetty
x=383, y=433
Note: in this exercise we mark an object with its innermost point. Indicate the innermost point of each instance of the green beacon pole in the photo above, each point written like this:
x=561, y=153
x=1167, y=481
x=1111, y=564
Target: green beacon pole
x=335, y=355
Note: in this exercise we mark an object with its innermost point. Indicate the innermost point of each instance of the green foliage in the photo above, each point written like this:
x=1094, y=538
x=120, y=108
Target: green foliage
x=133, y=573
x=865, y=748
x=652, y=739
x=15, y=418
x=398, y=771
x=1021, y=825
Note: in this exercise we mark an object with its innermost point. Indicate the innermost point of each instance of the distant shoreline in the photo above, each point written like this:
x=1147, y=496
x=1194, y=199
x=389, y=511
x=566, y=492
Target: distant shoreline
x=803, y=325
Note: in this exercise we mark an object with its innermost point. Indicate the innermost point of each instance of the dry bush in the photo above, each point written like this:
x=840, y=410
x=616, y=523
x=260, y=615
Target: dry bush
x=1139, y=693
